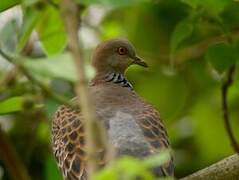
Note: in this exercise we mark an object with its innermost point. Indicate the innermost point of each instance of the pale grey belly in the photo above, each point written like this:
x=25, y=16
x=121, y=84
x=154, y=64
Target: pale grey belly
x=125, y=134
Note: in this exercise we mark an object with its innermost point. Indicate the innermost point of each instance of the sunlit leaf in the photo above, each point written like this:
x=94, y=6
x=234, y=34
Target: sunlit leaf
x=51, y=31
x=57, y=66
x=107, y=173
x=11, y=105
x=130, y=168
x=5, y=4
x=112, y=29
x=221, y=56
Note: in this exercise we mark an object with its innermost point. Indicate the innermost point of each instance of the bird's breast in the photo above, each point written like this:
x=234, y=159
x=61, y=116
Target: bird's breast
x=126, y=136
x=117, y=109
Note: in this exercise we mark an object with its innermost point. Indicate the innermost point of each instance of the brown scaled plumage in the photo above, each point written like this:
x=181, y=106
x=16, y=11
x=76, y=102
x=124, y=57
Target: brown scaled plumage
x=133, y=126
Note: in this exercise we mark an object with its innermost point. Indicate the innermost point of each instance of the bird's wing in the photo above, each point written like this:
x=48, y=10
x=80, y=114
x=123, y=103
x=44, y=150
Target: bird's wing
x=68, y=143
x=155, y=134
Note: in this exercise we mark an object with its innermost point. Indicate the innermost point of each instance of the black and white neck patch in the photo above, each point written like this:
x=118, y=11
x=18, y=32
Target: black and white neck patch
x=118, y=79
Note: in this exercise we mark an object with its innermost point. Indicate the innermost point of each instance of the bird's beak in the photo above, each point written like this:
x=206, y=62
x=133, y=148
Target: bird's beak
x=139, y=61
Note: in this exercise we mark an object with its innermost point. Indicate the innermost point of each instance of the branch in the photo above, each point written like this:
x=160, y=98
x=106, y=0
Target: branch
x=225, y=88
x=43, y=86
x=227, y=168
x=197, y=50
x=94, y=134
x=13, y=164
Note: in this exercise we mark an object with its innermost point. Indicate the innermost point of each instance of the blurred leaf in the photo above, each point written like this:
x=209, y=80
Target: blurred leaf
x=157, y=159
x=230, y=16
x=210, y=134
x=51, y=31
x=131, y=167
x=29, y=21
x=107, y=173
x=221, y=56
x=51, y=170
x=215, y=6
x=126, y=168
x=5, y=4
x=43, y=131
x=192, y=3
x=182, y=31
x=112, y=3
x=10, y=105
x=8, y=35
x=57, y=66
x=28, y=3
x=112, y=29
x=163, y=96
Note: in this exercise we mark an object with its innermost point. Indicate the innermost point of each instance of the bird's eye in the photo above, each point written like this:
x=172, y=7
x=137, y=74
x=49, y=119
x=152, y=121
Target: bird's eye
x=122, y=50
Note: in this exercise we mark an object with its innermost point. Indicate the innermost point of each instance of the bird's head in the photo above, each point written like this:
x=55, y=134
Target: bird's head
x=115, y=55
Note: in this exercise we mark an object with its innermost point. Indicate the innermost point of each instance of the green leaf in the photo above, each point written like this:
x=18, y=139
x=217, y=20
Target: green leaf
x=192, y=3
x=10, y=105
x=107, y=173
x=182, y=31
x=6, y=4
x=157, y=159
x=130, y=168
x=215, y=6
x=8, y=35
x=29, y=21
x=28, y=3
x=112, y=3
x=112, y=29
x=51, y=31
x=51, y=170
x=222, y=56
x=57, y=66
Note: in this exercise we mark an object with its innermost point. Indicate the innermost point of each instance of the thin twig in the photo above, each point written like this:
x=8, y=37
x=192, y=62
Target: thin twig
x=61, y=99
x=225, y=88
x=13, y=164
x=94, y=133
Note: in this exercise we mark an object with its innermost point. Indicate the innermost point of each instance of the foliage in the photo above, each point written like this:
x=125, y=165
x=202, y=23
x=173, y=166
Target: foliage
x=199, y=38
x=10, y=105
x=131, y=168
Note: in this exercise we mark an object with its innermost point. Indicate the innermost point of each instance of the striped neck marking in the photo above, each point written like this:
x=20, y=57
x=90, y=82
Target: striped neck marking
x=118, y=79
